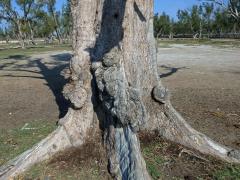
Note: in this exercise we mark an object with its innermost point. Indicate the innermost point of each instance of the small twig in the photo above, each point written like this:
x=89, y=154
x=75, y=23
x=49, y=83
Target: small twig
x=191, y=154
x=230, y=114
x=25, y=127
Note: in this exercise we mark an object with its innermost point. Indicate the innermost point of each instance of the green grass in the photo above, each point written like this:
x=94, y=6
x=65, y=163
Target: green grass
x=62, y=171
x=19, y=52
x=15, y=141
x=154, y=160
x=164, y=45
x=229, y=172
x=157, y=155
x=192, y=42
x=72, y=166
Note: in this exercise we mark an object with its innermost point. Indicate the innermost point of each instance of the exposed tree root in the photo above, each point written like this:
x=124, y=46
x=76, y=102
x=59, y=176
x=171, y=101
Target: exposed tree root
x=126, y=148
x=124, y=153
x=73, y=132
x=173, y=127
x=55, y=142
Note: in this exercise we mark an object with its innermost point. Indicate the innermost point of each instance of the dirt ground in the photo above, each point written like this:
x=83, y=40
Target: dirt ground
x=30, y=88
x=205, y=86
x=204, y=82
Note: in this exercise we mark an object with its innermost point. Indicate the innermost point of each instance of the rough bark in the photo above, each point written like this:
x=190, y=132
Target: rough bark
x=75, y=128
x=114, y=84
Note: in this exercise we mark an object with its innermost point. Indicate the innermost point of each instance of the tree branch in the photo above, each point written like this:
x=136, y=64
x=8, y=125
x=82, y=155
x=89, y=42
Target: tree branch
x=173, y=127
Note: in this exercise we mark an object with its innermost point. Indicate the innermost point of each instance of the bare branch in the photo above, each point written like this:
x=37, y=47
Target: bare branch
x=232, y=7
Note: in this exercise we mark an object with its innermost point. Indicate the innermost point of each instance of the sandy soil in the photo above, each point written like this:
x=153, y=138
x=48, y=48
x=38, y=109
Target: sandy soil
x=205, y=83
x=30, y=88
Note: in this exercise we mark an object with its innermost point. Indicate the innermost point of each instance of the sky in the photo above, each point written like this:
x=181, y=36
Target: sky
x=170, y=7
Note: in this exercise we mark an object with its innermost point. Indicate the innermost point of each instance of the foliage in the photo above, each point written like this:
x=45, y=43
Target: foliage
x=207, y=18
x=162, y=24
x=28, y=19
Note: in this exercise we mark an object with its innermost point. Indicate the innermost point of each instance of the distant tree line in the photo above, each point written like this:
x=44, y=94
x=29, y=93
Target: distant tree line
x=26, y=20
x=209, y=20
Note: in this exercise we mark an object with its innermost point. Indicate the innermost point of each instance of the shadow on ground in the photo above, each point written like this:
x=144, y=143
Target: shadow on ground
x=17, y=57
x=50, y=71
x=172, y=70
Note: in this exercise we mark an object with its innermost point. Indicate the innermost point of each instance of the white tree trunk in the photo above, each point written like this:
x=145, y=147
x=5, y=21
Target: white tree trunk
x=114, y=84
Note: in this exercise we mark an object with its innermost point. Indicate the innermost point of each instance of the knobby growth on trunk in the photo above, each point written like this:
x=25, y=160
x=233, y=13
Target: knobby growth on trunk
x=114, y=89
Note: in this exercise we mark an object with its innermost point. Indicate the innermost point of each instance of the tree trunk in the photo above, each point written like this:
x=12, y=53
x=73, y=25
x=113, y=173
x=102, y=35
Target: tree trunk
x=200, y=30
x=114, y=85
x=31, y=33
x=56, y=27
x=20, y=34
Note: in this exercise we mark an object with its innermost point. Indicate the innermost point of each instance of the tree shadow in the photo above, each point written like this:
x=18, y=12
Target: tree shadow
x=17, y=57
x=51, y=73
x=172, y=70
x=111, y=31
x=56, y=82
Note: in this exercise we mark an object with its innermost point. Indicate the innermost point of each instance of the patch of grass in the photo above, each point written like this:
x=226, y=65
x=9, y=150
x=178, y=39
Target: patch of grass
x=164, y=162
x=15, y=141
x=18, y=52
x=62, y=171
x=87, y=162
x=192, y=42
x=90, y=162
x=153, y=170
x=154, y=160
x=164, y=45
x=229, y=172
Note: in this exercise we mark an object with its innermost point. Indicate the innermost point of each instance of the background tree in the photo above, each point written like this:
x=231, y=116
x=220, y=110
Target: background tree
x=20, y=19
x=207, y=15
x=183, y=26
x=12, y=16
x=40, y=18
x=44, y=24
x=221, y=23
x=162, y=25
x=196, y=21
x=55, y=15
x=66, y=20
x=232, y=7
x=203, y=21
x=2, y=33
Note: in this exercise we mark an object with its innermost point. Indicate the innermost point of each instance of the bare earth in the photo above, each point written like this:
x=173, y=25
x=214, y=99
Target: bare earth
x=204, y=82
x=205, y=86
x=30, y=88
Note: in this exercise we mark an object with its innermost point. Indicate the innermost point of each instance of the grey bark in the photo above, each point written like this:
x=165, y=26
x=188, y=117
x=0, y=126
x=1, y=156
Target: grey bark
x=31, y=33
x=20, y=34
x=114, y=84
x=56, y=27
